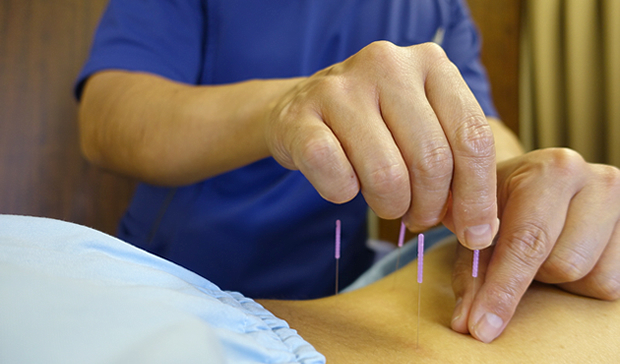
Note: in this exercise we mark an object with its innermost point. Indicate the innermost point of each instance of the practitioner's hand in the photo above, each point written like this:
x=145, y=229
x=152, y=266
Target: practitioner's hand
x=560, y=223
x=401, y=126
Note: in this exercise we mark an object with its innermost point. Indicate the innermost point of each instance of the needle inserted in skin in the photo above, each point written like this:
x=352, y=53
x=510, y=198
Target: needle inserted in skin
x=337, y=253
x=420, y=277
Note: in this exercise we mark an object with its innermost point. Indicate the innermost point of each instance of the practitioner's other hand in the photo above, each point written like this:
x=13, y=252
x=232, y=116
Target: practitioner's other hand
x=560, y=224
x=401, y=126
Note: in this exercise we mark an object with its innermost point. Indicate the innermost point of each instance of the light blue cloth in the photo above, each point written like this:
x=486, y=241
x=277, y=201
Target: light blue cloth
x=70, y=294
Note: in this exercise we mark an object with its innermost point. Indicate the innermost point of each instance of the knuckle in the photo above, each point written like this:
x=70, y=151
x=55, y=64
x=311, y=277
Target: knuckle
x=565, y=162
x=331, y=87
x=608, y=287
x=316, y=151
x=380, y=49
x=433, y=52
x=503, y=297
x=329, y=173
x=432, y=173
x=560, y=166
x=567, y=267
x=565, y=157
x=386, y=189
x=474, y=137
x=610, y=177
x=434, y=60
x=385, y=57
x=435, y=163
x=387, y=179
x=528, y=245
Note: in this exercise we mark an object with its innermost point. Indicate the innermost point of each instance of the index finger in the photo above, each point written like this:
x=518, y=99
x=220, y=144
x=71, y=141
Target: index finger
x=528, y=233
x=474, y=208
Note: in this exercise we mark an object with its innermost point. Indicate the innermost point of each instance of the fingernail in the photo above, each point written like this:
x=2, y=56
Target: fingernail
x=488, y=327
x=479, y=236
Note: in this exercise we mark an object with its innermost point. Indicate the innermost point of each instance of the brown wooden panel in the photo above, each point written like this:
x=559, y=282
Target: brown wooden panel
x=499, y=23
x=43, y=44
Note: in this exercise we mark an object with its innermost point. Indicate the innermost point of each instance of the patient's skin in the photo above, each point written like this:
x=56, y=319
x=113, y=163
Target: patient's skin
x=377, y=324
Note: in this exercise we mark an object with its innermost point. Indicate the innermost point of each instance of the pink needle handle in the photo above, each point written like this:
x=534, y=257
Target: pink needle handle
x=337, y=253
x=420, y=257
x=474, y=268
x=401, y=236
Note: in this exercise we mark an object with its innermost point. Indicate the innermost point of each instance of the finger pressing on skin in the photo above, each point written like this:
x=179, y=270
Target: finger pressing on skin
x=473, y=150
x=527, y=236
x=465, y=286
x=536, y=201
x=603, y=281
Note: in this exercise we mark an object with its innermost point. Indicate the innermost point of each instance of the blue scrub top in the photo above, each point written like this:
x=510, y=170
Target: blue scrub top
x=263, y=230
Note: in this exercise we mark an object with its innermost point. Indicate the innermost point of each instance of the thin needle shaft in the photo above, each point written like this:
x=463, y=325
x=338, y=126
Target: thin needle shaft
x=337, y=276
x=401, y=239
x=417, y=342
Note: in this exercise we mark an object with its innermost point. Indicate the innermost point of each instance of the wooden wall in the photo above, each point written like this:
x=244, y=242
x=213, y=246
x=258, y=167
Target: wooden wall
x=499, y=23
x=43, y=44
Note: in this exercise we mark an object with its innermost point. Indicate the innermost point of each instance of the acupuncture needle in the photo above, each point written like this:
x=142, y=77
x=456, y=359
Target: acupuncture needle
x=420, y=276
x=401, y=239
x=474, y=267
x=337, y=253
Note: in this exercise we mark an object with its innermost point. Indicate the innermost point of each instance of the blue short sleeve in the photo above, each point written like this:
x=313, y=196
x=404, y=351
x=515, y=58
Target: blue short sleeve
x=164, y=37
